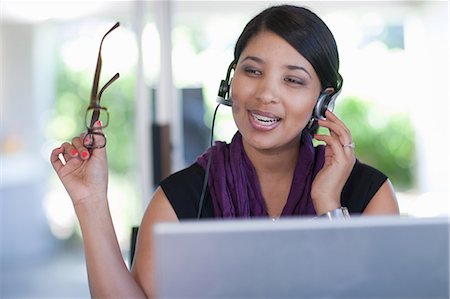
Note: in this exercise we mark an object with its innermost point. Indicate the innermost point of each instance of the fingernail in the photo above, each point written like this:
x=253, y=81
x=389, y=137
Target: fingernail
x=315, y=136
x=87, y=139
x=74, y=152
x=98, y=123
x=84, y=154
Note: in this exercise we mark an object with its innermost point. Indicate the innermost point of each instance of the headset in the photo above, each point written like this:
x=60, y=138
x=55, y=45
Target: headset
x=325, y=101
x=223, y=96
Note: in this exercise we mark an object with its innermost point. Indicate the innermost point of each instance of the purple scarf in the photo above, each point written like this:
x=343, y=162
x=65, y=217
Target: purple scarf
x=235, y=188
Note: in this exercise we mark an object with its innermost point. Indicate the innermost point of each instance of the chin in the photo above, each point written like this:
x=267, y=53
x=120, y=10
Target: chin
x=269, y=143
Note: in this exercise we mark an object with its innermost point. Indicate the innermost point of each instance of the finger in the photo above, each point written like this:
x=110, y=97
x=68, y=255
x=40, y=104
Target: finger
x=349, y=148
x=98, y=125
x=96, y=139
x=337, y=131
x=336, y=127
x=55, y=158
x=333, y=117
x=334, y=121
x=70, y=151
x=79, y=146
x=334, y=143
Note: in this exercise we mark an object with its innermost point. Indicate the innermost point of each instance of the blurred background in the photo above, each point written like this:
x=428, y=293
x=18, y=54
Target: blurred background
x=171, y=56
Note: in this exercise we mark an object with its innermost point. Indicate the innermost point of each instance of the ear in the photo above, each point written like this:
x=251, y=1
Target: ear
x=328, y=90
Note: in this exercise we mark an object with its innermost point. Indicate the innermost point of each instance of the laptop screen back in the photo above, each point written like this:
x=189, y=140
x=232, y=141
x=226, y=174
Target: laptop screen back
x=366, y=257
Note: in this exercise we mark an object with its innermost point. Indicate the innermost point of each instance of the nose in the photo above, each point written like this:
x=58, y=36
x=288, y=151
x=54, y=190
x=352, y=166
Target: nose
x=267, y=90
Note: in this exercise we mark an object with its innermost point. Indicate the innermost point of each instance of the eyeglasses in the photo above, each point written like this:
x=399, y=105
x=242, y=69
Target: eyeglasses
x=95, y=112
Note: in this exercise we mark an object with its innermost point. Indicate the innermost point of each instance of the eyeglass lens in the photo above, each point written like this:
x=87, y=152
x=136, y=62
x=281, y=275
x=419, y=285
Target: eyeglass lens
x=93, y=115
x=94, y=140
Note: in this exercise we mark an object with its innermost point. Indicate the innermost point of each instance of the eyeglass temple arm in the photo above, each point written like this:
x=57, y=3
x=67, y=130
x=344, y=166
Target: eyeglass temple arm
x=116, y=76
x=96, y=113
x=99, y=67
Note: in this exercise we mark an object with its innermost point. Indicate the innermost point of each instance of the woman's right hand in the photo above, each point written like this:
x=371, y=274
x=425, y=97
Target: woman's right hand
x=84, y=173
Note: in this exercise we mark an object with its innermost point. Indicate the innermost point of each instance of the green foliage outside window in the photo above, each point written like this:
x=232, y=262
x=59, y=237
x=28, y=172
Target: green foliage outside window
x=72, y=99
x=386, y=142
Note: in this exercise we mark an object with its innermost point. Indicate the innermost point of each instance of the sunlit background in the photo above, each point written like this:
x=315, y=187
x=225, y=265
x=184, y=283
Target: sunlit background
x=171, y=56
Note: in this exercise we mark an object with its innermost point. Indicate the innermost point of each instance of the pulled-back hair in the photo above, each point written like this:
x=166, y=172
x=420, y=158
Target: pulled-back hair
x=304, y=31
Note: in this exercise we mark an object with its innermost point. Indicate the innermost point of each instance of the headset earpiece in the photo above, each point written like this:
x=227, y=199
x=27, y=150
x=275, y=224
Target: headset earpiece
x=321, y=105
x=325, y=102
x=223, y=96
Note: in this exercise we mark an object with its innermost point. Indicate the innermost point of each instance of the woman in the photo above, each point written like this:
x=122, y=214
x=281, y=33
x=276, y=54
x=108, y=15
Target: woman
x=285, y=60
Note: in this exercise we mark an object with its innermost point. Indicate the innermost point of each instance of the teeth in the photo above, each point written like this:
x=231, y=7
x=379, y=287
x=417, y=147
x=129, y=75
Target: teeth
x=265, y=119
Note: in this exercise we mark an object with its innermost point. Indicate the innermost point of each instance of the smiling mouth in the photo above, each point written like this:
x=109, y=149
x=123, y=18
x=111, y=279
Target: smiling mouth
x=264, y=119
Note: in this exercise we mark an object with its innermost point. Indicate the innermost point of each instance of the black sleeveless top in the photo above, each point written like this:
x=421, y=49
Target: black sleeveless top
x=184, y=188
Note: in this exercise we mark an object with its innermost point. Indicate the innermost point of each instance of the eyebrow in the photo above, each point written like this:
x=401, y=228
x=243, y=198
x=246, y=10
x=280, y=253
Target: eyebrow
x=289, y=66
x=296, y=67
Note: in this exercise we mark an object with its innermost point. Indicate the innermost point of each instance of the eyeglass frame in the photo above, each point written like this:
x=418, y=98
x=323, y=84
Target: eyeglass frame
x=94, y=106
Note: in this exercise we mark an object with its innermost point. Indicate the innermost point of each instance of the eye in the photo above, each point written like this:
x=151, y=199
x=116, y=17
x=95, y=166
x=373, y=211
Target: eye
x=294, y=81
x=252, y=71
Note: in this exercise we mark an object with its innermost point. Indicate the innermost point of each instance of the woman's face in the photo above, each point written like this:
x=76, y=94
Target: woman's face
x=274, y=90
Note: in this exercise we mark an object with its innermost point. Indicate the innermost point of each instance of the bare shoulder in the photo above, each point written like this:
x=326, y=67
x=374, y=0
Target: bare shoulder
x=159, y=210
x=384, y=201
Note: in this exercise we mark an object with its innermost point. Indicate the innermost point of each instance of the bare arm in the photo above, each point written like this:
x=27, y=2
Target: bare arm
x=84, y=174
x=103, y=253
x=85, y=177
x=159, y=210
x=383, y=202
x=107, y=272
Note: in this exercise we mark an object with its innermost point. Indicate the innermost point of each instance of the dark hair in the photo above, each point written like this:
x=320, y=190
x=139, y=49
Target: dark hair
x=304, y=31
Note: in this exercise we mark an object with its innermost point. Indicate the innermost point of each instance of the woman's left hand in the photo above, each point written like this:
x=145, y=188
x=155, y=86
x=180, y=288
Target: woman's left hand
x=339, y=161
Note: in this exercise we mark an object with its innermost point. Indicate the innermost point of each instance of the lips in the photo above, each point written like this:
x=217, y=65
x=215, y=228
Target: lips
x=263, y=120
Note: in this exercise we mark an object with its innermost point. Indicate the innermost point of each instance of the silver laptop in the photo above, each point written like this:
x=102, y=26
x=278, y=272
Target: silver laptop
x=366, y=257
